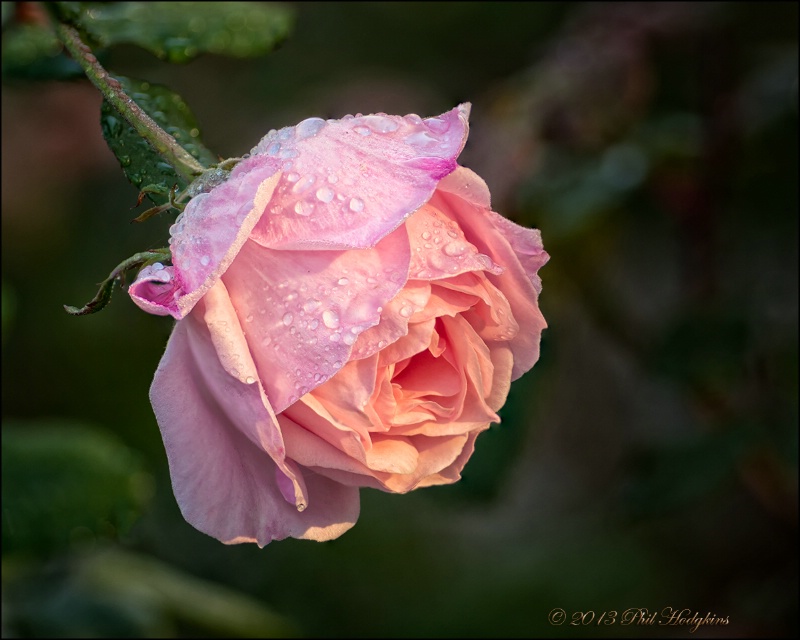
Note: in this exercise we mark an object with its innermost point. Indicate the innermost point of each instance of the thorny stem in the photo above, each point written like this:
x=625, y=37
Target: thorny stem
x=180, y=159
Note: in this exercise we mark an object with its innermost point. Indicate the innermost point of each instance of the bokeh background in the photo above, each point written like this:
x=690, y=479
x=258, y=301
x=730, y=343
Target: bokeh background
x=650, y=459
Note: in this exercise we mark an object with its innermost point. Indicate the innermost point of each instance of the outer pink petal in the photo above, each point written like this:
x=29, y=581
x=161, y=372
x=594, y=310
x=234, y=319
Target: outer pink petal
x=207, y=236
x=226, y=485
x=464, y=196
x=347, y=183
x=303, y=311
x=154, y=290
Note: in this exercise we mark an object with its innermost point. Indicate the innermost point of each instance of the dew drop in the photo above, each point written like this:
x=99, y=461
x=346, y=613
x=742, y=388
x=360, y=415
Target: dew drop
x=436, y=261
x=426, y=235
x=325, y=194
x=273, y=149
x=303, y=208
x=330, y=318
x=420, y=139
x=406, y=311
x=334, y=337
x=437, y=124
x=333, y=178
x=313, y=324
x=349, y=339
x=250, y=380
x=292, y=177
x=205, y=260
x=287, y=319
x=303, y=184
x=309, y=127
x=380, y=124
x=311, y=305
x=455, y=249
x=343, y=281
x=364, y=131
x=356, y=204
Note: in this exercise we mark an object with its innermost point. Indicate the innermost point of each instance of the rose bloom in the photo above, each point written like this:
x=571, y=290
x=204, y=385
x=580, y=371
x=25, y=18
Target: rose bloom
x=351, y=313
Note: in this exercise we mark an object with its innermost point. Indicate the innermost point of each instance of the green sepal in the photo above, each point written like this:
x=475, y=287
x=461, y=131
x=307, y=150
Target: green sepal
x=103, y=296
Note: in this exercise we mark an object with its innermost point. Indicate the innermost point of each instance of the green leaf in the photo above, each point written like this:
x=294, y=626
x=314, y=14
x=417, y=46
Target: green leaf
x=180, y=31
x=66, y=484
x=142, y=165
x=33, y=52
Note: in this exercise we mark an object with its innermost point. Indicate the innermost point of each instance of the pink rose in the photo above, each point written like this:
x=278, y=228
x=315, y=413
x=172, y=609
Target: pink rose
x=351, y=314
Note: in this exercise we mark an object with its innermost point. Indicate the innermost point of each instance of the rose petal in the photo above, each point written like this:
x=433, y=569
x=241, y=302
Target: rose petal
x=517, y=249
x=452, y=473
x=207, y=236
x=435, y=456
x=439, y=248
x=224, y=483
x=154, y=290
x=348, y=183
x=306, y=309
x=394, y=322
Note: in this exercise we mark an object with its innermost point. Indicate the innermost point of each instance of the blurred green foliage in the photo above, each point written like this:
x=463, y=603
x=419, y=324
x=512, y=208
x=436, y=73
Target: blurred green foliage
x=180, y=31
x=66, y=485
x=648, y=460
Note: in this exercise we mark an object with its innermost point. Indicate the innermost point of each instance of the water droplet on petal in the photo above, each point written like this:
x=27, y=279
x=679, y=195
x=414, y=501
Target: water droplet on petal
x=437, y=124
x=304, y=208
x=356, y=204
x=343, y=281
x=362, y=131
x=287, y=319
x=205, y=260
x=303, y=184
x=426, y=235
x=330, y=318
x=333, y=178
x=273, y=149
x=250, y=380
x=455, y=249
x=406, y=311
x=334, y=337
x=325, y=194
x=437, y=261
x=349, y=339
x=420, y=139
x=311, y=305
x=380, y=124
x=309, y=127
x=292, y=177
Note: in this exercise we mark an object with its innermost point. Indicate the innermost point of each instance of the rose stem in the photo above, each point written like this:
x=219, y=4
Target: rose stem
x=180, y=159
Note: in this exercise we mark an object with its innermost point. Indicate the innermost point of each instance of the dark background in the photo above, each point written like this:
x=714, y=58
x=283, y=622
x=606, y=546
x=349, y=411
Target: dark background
x=648, y=460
